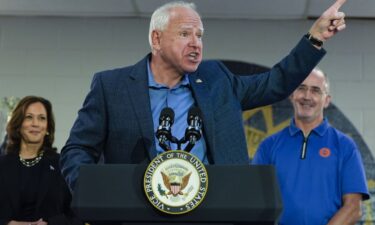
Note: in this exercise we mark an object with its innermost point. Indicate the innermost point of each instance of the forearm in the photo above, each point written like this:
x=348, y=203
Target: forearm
x=283, y=78
x=345, y=217
x=349, y=213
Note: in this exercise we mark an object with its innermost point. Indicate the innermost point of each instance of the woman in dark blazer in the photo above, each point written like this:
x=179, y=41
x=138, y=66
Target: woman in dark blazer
x=32, y=190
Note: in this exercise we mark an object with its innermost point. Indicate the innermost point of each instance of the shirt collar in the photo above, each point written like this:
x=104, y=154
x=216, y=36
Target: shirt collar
x=152, y=83
x=320, y=130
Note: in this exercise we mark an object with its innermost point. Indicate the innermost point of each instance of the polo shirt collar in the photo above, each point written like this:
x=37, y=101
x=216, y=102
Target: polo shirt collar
x=319, y=130
x=152, y=83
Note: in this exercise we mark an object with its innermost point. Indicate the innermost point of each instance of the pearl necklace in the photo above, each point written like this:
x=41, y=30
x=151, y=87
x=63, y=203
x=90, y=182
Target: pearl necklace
x=30, y=163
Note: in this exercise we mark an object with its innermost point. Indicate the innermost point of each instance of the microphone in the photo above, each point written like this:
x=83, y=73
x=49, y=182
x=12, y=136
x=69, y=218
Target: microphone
x=163, y=133
x=194, y=130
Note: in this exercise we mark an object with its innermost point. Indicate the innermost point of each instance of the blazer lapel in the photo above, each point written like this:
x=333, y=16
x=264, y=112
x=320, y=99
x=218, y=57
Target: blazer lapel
x=137, y=86
x=45, y=180
x=201, y=95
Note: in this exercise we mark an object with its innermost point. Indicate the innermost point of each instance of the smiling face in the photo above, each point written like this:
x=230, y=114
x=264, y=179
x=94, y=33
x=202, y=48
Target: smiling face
x=179, y=46
x=34, y=125
x=310, y=99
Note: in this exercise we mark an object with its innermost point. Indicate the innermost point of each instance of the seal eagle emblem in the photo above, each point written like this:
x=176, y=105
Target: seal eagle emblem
x=175, y=182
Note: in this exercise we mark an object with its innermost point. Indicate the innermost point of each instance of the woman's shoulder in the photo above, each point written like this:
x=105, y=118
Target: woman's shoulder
x=51, y=156
x=7, y=159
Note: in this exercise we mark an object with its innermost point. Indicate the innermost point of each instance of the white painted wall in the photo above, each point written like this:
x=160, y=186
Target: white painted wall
x=56, y=58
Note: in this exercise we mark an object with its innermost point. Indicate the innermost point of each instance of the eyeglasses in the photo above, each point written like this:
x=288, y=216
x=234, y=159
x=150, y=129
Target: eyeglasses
x=315, y=91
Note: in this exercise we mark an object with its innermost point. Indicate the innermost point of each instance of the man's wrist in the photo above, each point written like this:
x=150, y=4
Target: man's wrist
x=314, y=40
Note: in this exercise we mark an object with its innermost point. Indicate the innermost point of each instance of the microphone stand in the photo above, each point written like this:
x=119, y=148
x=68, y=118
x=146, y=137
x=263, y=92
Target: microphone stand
x=179, y=142
x=172, y=139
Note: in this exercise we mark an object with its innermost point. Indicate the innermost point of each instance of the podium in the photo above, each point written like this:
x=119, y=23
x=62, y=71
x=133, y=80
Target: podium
x=236, y=195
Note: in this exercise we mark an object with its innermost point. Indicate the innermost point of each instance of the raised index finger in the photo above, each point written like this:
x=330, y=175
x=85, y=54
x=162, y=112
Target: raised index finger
x=337, y=5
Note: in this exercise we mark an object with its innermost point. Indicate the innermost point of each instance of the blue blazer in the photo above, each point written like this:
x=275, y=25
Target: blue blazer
x=116, y=121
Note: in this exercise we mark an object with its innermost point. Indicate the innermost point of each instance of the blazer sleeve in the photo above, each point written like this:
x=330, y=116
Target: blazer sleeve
x=283, y=78
x=87, y=135
x=67, y=217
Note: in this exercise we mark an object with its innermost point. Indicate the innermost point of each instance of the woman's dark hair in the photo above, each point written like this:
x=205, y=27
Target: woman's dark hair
x=17, y=118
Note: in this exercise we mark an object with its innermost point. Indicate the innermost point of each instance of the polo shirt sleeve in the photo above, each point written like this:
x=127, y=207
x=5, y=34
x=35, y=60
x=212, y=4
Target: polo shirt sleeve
x=353, y=173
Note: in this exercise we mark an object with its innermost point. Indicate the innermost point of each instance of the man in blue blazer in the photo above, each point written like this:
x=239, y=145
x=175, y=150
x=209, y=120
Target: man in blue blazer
x=120, y=113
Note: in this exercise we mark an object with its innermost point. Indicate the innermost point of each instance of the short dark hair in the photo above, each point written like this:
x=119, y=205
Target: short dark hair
x=17, y=118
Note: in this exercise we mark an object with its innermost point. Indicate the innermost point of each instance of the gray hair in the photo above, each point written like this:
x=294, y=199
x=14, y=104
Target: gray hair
x=326, y=80
x=160, y=17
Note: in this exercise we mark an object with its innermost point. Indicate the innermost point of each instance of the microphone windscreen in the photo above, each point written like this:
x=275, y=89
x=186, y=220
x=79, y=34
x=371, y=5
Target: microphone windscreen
x=167, y=113
x=194, y=112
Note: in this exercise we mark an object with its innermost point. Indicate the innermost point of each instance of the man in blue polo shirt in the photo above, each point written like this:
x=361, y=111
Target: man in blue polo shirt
x=319, y=169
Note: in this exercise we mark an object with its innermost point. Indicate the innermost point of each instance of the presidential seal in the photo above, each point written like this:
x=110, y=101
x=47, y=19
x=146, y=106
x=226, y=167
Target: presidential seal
x=175, y=182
